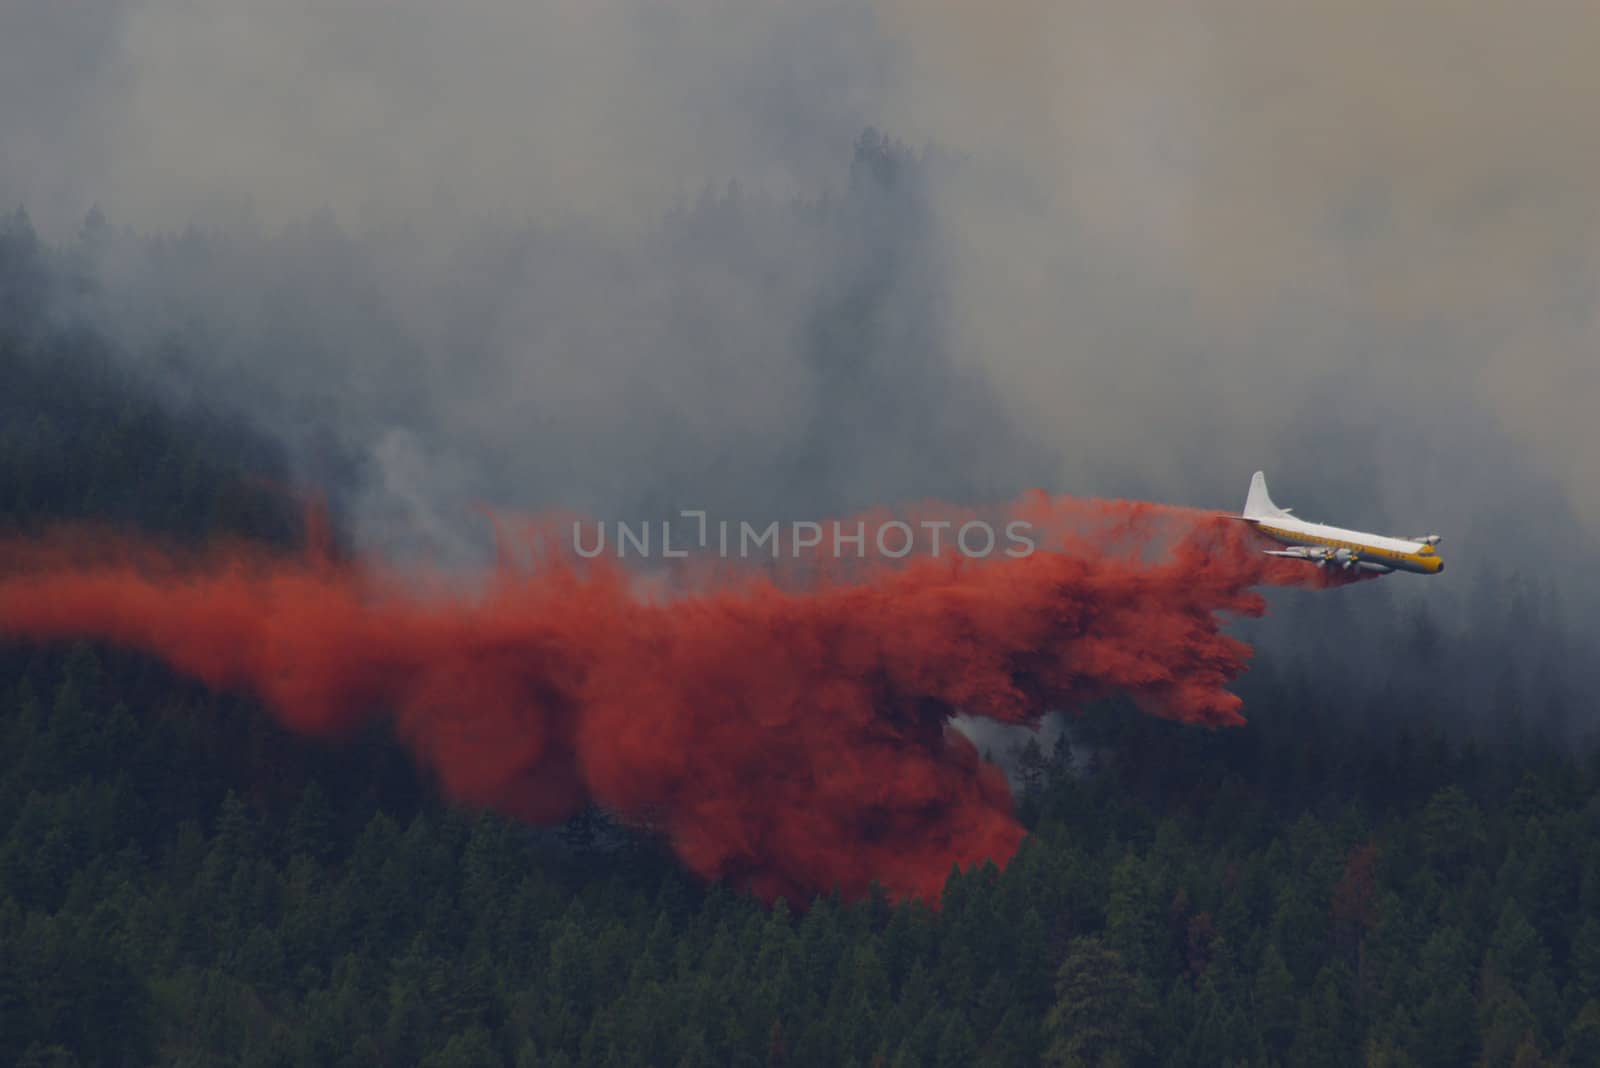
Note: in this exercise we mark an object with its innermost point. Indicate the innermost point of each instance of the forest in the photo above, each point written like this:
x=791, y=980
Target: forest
x=182, y=881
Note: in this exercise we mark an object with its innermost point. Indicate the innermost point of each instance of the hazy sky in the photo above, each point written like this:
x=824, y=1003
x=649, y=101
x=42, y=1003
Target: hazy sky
x=1263, y=194
x=1354, y=244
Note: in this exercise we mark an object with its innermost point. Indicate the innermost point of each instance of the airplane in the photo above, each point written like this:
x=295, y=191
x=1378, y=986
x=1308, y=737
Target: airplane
x=1325, y=546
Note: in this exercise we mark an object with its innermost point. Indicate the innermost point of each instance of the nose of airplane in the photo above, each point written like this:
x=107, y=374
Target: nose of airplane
x=1439, y=568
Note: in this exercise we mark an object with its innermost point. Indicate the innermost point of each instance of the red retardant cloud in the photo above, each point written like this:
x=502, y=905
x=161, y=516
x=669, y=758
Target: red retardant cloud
x=786, y=726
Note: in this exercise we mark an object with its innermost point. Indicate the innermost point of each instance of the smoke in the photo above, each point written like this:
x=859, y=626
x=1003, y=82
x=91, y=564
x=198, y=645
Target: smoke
x=1173, y=217
x=170, y=113
x=745, y=354
x=1241, y=202
x=787, y=730
x=1350, y=247
x=1208, y=213
x=491, y=252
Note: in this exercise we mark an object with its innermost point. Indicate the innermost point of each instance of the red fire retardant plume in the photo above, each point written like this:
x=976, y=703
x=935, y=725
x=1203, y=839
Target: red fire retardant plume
x=789, y=732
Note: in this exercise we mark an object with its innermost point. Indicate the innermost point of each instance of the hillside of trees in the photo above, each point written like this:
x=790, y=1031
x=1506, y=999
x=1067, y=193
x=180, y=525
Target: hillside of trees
x=183, y=882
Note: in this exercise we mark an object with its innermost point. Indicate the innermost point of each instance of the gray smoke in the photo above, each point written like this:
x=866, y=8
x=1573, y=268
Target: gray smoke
x=632, y=256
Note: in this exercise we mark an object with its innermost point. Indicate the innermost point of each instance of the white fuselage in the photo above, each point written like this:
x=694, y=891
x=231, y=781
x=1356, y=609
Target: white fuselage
x=1394, y=553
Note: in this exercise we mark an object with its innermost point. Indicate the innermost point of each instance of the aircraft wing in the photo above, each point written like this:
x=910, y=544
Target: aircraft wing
x=1323, y=557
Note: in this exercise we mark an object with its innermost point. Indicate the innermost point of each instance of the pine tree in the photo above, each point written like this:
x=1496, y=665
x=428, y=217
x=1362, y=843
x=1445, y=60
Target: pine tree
x=1276, y=1007
x=1101, y=1013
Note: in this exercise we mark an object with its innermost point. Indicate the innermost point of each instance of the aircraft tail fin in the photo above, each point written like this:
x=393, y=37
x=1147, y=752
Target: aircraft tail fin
x=1258, y=505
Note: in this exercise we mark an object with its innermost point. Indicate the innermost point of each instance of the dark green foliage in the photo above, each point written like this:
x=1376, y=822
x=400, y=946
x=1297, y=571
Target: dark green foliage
x=313, y=926
x=1101, y=1015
